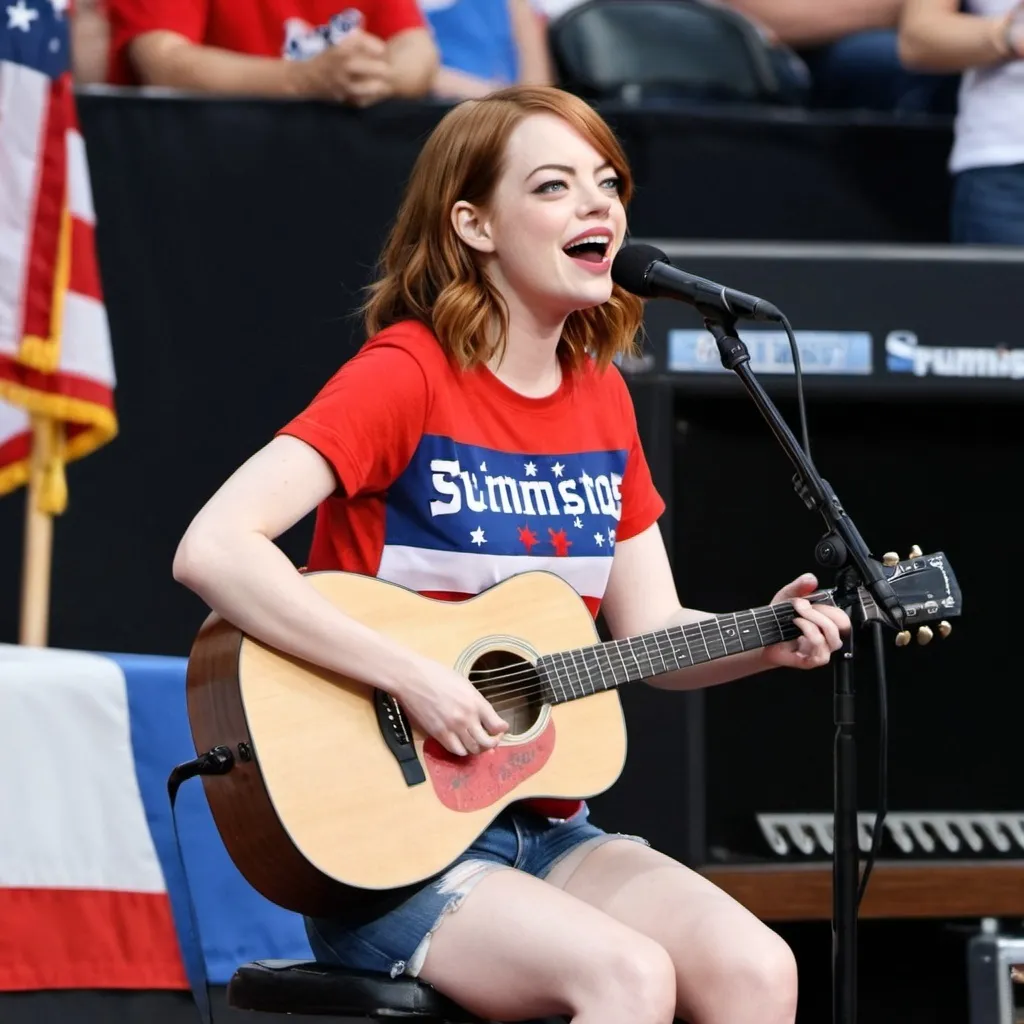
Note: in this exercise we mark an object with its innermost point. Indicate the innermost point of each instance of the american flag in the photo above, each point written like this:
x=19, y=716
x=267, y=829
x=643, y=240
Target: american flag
x=55, y=356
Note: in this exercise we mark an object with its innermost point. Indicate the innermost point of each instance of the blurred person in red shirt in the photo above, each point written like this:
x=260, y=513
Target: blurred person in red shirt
x=360, y=53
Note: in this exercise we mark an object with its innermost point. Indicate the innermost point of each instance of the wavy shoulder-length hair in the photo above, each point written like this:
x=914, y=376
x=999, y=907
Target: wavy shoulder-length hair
x=427, y=273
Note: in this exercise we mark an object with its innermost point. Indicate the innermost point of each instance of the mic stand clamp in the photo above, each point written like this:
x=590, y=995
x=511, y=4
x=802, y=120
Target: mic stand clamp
x=843, y=549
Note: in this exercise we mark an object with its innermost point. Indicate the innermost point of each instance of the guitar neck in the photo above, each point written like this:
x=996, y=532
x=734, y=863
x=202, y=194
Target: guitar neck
x=582, y=671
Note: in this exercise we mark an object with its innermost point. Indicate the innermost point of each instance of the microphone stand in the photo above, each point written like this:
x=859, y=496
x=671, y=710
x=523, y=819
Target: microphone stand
x=841, y=548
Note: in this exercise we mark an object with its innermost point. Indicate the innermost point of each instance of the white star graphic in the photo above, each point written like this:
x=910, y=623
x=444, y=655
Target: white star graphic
x=478, y=536
x=531, y=469
x=611, y=537
x=483, y=467
x=558, y=469
x=599, y=539
x=578, y=523
x=59, y=6
x=20, y=16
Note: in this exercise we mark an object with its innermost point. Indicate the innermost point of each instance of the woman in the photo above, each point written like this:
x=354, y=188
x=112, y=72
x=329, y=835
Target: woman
x=984, y=39
x=491, y=328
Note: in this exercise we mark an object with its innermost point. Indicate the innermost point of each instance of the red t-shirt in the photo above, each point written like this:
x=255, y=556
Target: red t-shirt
x=452, y=482
x=264, y=28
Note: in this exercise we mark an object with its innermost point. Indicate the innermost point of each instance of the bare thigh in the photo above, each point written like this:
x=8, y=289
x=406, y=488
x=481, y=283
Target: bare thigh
x=518, y=948
x=729, y=965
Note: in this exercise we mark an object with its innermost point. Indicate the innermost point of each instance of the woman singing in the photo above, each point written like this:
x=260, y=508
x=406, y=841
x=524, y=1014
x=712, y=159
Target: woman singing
x=491, y=327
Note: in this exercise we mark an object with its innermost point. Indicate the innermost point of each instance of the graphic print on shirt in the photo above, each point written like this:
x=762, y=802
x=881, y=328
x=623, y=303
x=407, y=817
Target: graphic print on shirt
x=461, y=517
x=303, y=41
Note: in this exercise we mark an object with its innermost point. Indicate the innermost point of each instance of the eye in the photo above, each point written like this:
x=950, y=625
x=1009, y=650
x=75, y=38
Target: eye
x=550, y=186
x=613, y=184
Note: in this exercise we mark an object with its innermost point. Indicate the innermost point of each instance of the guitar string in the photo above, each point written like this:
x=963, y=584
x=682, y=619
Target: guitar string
x=536, y=687
x=500, y=676
x=691, y=631
x=762, y=614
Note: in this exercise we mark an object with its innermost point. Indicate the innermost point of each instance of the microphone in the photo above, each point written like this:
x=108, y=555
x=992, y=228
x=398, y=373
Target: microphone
x=646, y=271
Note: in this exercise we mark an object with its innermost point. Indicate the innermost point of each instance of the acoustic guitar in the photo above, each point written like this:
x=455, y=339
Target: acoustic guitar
x=329, y=793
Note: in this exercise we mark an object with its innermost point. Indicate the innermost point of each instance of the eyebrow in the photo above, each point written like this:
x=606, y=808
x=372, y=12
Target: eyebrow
x=564, y=169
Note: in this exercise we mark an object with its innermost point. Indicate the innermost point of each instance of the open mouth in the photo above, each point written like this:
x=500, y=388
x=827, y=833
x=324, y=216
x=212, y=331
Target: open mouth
x=590, y=250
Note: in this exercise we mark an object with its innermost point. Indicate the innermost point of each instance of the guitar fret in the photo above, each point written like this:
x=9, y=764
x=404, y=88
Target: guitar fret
x=778, y=621
x=625, y=671
x=640, y=673
x=686, y=641
x=569, y=673
x=610, y=673
x=580, y=654
x=558, y=674
x=704, y=640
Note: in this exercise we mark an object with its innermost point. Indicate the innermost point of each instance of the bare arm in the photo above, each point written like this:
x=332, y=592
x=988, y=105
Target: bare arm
x=812, y=22
x=169, y=59
x=530, y=33
x=90, y=42
x=361, y=69
x=641, y=597
x=229, y=558
x=414, y=61
x=450, y=83
x=935, y=36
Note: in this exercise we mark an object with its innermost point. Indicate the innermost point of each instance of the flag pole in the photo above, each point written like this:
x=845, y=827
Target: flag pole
x=38, y=550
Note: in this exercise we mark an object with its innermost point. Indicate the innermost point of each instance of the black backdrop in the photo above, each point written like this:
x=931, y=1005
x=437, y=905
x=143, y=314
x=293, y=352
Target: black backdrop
x=233, y=240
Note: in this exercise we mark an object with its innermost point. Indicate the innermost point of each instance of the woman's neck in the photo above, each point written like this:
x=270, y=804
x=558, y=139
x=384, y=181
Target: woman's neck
x=529, y=361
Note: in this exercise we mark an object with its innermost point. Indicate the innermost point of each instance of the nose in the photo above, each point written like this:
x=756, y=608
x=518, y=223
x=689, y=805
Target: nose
x=594, y=201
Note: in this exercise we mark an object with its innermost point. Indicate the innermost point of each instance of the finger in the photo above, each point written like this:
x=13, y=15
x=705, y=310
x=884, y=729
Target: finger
x=482, y=739
x=816, y=648
x=802, y=585
x=825, y=623
x=452, y=743
x=469, y=741
x=492, y=721
x=363, y=42
x=360, y=68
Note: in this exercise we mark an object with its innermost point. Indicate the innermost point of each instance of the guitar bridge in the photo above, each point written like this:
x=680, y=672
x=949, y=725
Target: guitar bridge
x=394, y=728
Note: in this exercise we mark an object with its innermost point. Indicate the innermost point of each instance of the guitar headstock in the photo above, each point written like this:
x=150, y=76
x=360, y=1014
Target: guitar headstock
x=927, y=589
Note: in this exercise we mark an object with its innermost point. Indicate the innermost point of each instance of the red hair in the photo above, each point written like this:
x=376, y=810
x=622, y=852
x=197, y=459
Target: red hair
x=428, y=273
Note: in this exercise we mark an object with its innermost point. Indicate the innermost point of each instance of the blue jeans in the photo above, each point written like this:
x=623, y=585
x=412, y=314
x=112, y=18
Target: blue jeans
x=988, y=206
x=396, y=942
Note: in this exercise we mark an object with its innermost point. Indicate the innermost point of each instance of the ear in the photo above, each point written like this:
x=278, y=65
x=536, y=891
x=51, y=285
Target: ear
x=472, y=226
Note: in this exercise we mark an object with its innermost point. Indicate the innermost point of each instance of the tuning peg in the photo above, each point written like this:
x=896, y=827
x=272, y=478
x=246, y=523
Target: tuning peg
x=945, y=628
x=903, y=638
x=890, y=558
x=924, y=635
x=915, y=552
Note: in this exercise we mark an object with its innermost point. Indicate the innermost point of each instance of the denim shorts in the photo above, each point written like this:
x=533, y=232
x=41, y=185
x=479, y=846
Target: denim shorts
x=396, y=942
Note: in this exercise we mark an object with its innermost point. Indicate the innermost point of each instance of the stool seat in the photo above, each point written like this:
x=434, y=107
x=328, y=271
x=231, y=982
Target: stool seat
x=316, y=989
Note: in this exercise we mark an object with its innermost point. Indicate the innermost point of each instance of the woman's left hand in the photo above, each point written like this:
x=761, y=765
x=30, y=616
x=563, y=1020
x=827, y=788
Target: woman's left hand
x=822, y=627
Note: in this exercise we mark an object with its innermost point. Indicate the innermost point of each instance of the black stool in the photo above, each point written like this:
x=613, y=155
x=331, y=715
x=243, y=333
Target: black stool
x=315, y=989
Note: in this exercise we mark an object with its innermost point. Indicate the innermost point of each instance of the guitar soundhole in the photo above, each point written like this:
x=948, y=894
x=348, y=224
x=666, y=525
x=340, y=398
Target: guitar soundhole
x=512, y=686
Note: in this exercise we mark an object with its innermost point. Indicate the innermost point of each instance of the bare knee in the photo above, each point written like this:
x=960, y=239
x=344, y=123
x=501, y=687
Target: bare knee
x=767, y=978
x=634, y=982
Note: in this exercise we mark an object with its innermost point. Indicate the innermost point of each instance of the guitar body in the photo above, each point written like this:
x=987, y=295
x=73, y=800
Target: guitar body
x=319, y=811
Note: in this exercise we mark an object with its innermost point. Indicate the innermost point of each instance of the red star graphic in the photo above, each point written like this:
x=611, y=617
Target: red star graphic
x=527, y=536
x=560, y=542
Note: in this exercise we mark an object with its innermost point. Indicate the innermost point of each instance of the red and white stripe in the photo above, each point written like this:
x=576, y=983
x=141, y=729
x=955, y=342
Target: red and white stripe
x=68, y=371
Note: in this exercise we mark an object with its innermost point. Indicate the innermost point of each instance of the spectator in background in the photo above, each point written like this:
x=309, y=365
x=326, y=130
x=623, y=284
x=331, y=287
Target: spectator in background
x=987, y=162
x=487, y=45
x=851, y=50
x=359, y=53
x=90, y=42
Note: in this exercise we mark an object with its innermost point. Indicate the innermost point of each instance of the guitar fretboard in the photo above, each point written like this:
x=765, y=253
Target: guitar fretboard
x=582, y=671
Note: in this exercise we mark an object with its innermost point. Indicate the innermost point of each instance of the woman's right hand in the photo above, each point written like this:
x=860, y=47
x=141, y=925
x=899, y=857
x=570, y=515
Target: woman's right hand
x=449, y=707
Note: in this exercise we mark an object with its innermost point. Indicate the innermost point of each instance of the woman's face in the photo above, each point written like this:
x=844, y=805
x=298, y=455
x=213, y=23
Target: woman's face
x=554, y=223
